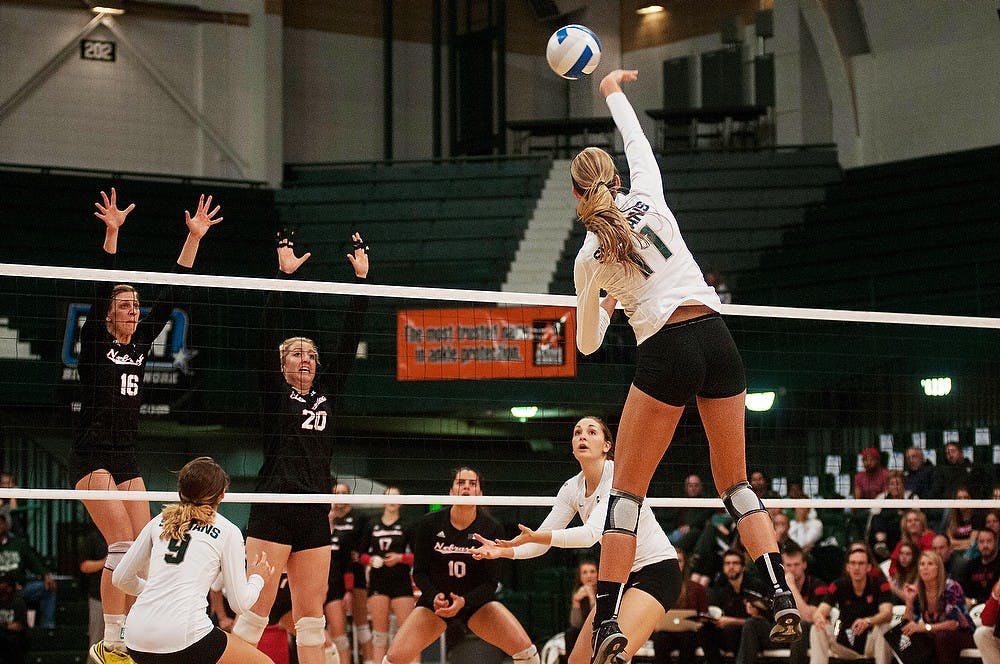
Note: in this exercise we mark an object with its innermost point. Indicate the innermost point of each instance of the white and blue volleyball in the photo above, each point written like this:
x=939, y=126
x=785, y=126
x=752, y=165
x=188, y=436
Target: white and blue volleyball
x=573, y=51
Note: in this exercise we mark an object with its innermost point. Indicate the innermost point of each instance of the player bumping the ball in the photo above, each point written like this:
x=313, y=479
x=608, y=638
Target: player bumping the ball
x=633, y=250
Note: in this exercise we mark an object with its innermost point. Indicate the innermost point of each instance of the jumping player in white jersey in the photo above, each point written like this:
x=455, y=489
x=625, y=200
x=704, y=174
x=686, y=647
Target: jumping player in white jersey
x=115, y=345
x=297, y=418
x=454, y=585
x=633, y=250
x=185, y=549
x=655, y=579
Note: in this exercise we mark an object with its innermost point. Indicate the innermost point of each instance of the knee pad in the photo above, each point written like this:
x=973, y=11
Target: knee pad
x=249, y=626
x=364, y=633
x=623, y=513
x=380, y=639
x=116, y=551
x=741, y=501
x=385, y=660
x=331, y=655
x=309, y=631
x=341, y=642
x=527, y=656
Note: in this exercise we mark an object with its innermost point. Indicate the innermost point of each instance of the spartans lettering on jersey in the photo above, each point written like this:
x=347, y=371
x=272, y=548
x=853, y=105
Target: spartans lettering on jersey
x=635, y=213
x=208, y=529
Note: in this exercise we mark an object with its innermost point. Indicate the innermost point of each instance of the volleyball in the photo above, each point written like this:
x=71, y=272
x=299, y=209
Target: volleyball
x=573, y=50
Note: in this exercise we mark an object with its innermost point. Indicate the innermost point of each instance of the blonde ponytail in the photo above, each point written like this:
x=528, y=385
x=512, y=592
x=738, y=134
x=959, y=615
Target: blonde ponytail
x=595, y=181
x=201, y=484
x=179, y=517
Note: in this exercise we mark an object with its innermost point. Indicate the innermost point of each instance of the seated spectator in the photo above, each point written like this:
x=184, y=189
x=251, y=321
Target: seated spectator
x=17, y=558
x=953, y=472
x=693, y=598
x=941, y=545
x=978, y=576
x=919, y=473
x=865, y=606
x=582, y=602
x=906, y=569
x=805, y=529
x=987, y=637
x=781, y=525
x=958, y=523
x=913, y=529
x=870, y=482
x=690, y=521
x=990, y=522
x=730, y=593
x=937, y=602
x=13, y=622
x=718, y=536
x=883, y=526
x=9, y=506
x=754, y=637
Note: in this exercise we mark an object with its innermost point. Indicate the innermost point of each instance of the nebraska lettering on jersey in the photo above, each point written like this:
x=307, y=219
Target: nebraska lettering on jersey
x=452, y=550
x=125, y=358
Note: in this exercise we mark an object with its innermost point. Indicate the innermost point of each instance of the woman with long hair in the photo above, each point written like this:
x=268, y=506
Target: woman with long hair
x=960, y=528
x=297, y=407
x=883, y=525
x=935, y=609
x=114, y=351
x=912, y=530
x=906, y=568
x=385, y=547
x=185, y=549
x=634, y=251
x=581, y=602
x=654, y=580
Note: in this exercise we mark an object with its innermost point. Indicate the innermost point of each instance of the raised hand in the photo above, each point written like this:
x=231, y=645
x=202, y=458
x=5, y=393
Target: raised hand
x=527, y=536
x=288, y=262
x=202, y=220
x=359, y=256
x=488, y=549
x=613, y=81
x=109, y=213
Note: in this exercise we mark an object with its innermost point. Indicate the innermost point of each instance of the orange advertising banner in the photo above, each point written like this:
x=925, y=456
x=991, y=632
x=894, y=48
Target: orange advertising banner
x=481, y=343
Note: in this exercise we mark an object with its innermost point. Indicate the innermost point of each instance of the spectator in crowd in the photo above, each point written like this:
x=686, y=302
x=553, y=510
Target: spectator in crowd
x=13, y=622
x=17, y=558
x=906, y=568
x=865, y=606
x=9, y=506
x=990, y=522
x=93, y=552
x=883, y=526
x=913, y=529
x=953, y=472
x=690, y=520
x=804, y=587
x=977, y=576
x=870, y=482
x=805, y=529
x=781, y=526
x=939, y=603
x=795, y=490
x=958, y=523
x=729, y=592
x=919, y=473
x=758, y=482
x=718, y=537
x=693, y=598
x=987, y=637
x=941, y=545
x=582, y=601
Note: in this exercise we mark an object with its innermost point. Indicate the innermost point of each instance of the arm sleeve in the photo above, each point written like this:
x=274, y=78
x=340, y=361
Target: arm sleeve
x=592, y=320
x=126, y=576
x=559, y=516
x=422, y=552
x=240, y=591
x=644, y=172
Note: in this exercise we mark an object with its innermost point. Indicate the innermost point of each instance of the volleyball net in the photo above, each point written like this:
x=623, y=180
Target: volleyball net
x=446, y=378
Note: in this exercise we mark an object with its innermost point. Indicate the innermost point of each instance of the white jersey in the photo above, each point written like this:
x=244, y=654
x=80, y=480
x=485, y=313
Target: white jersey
x=673, y=277
x=651, y=543
x=170, y=612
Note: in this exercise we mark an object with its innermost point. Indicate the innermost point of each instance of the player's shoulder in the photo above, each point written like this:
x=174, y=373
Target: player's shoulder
x=588, y=248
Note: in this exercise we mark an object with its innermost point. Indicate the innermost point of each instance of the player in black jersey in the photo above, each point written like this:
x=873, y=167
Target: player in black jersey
x=350, y=526
x=456, y=586
x=298, y=434
x=114, y=349
x=385, y=551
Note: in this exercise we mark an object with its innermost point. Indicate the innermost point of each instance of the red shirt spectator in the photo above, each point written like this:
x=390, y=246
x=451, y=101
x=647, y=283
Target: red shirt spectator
x=871, y=481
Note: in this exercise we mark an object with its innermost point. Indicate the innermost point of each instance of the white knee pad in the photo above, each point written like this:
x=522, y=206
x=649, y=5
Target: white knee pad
x=527, y=656
x=741, y=501
x=364, y=633
x=380, y=639
x=623, y=513
x=342, y=642
x=309, y=631
x=116, y=551
x=249, y=626
x=331, y=655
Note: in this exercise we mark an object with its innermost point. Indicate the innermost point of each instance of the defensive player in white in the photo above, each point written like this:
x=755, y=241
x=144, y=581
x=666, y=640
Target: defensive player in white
x=185, y=548
x=655, y=578
x=633, y=250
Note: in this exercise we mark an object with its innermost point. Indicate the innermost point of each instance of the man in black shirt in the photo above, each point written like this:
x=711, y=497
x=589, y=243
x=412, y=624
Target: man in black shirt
x=978, y=575
x=730, y=593
x=865, y=605
x=454, y=585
